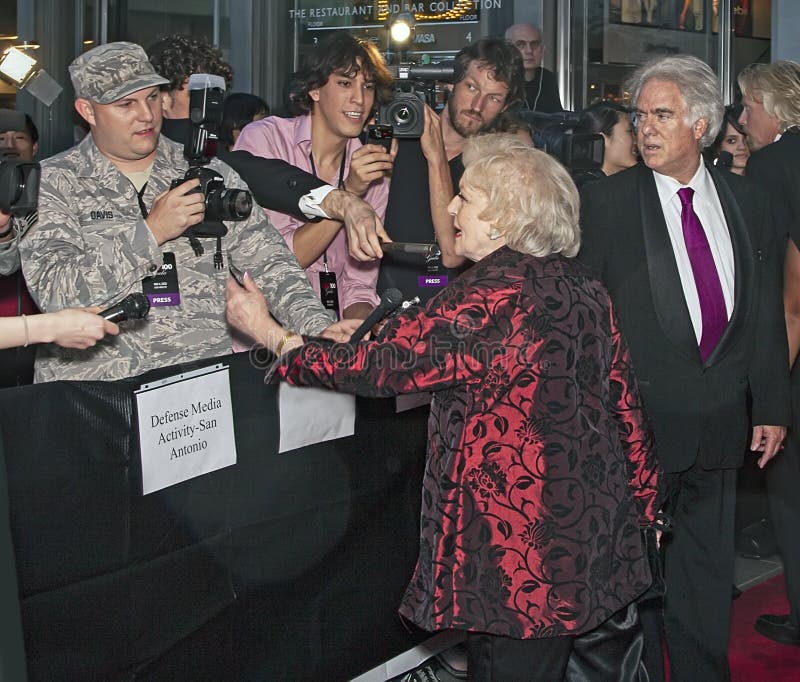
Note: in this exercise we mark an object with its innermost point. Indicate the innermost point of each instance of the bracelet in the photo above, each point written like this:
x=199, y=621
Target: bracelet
x=282, y=342
x=25, y=324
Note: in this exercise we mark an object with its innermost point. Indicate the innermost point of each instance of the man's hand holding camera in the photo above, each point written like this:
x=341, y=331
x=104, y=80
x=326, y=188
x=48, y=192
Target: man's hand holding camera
x=431, y=141
x=367, y=164
x=176, y=210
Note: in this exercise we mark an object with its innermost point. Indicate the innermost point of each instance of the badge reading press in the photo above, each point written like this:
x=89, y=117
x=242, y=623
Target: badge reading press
x=162, y=289
x=328, y=291
x=433, y=263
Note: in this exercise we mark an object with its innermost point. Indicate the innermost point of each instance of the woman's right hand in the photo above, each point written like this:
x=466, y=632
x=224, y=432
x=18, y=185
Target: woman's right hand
x=70, y=328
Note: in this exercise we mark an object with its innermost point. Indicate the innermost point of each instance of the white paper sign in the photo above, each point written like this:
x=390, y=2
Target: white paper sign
x=185, y=427
x=313, y=415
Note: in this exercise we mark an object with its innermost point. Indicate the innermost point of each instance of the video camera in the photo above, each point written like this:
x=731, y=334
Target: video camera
x=206, y=94
x=19, y=180
x=413, y=88
x=555, y=134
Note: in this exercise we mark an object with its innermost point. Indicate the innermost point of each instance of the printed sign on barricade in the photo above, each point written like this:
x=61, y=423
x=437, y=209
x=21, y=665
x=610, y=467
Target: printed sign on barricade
x=185, y=427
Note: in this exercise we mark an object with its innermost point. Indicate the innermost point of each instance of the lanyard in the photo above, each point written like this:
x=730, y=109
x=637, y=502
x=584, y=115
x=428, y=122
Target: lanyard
x=339, y=185
x=142, y=207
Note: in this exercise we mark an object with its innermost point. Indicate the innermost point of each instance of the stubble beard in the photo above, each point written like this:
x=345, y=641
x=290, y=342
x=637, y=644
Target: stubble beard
x=460, y=129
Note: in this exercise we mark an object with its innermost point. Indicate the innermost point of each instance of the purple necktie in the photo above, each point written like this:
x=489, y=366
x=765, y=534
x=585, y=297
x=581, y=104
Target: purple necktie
x=706, y=279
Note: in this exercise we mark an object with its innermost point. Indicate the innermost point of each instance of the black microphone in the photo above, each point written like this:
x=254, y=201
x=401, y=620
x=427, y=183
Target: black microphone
x=390, y=300
x=725, y=160
x=427, y=250
x=133, y=307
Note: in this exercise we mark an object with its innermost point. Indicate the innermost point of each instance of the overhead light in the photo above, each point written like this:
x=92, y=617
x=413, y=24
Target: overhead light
x=401, y=27
x=19, y=68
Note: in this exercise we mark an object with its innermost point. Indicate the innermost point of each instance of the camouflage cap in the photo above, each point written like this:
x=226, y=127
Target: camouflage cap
x=109, y=72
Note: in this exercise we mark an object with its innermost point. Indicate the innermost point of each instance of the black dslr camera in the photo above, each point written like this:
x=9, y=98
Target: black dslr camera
x=413, y=88
x=222, y=203
x=206, y=93
x=556, y=134
x=19, y=180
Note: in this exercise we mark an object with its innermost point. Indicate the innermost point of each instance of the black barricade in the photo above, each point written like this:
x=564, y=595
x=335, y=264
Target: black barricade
x=282, y=567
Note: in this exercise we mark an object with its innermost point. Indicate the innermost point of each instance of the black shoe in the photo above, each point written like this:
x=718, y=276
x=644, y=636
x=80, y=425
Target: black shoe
x=778, y=629
x=781, y=620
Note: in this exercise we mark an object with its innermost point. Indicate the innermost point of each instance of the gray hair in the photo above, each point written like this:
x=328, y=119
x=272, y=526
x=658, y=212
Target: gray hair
x=777, y=86
x=698, y=86
x=532, y=199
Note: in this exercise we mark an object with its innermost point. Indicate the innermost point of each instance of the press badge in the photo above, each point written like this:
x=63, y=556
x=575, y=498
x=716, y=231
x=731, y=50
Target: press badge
x=433, y=278
x=328, y=291
x=162, y=289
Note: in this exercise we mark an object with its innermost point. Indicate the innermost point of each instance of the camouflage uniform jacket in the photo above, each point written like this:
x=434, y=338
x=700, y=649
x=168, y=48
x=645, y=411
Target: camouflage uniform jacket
x=91, y=247
x=9, y=257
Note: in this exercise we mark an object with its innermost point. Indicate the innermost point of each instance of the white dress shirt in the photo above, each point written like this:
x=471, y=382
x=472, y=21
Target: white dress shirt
x=709, y=210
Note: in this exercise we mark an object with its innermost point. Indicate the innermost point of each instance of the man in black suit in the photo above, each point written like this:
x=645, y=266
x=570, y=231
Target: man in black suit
x=771, y=119
x=689, y=258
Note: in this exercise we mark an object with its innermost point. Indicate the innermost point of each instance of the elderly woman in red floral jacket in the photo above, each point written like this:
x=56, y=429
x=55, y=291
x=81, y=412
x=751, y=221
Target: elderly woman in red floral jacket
x=540, y=467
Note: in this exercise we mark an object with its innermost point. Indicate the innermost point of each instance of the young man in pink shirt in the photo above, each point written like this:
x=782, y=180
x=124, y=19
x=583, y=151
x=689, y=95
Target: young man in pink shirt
x=337, y=87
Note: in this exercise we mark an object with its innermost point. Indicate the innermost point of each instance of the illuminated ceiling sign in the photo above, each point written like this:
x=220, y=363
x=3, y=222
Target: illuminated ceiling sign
x=374, y=13
x=432, y=11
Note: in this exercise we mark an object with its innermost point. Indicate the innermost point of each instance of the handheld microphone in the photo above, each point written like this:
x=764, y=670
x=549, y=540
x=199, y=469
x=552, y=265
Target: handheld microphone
x=427, y=250
x=133, y=307
x=390, y=300
x=725, y=160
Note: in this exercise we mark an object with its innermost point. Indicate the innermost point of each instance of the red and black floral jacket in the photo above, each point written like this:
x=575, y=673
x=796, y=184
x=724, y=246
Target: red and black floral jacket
x=540, y=466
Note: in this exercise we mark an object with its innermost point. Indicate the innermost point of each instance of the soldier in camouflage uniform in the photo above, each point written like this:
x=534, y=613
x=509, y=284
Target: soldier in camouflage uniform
x=108, y=220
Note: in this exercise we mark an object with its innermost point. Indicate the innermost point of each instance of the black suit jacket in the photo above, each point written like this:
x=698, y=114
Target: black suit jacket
x=776, y=168
x=699, y=411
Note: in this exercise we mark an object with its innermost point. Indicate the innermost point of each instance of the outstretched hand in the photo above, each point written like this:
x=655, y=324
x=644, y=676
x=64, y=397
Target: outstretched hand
x=341, y=331
x=364, y=228
x=247, y=309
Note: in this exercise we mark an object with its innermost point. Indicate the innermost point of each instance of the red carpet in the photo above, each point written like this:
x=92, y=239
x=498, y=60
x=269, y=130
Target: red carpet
x=754, y=658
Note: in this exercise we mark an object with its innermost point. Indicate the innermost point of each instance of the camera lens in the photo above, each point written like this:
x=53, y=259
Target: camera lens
x=402, y=115
x=229, y=204
x=242, y=203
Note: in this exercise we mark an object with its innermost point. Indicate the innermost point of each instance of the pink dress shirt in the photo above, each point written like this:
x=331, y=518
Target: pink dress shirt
x=290, y=139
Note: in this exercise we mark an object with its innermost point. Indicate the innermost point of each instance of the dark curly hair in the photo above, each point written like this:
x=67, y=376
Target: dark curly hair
x=501, y=57
x=176, y=57
x=338, y=52
x=239, y=109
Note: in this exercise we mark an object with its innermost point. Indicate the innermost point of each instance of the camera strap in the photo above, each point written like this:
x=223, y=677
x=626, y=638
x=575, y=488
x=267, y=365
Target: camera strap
x=139, y=197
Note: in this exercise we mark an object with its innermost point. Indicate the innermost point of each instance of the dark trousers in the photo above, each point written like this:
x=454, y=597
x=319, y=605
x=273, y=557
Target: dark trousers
x=609, y=653
x=12, y=648
x=783, y=496
x=698, y=571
